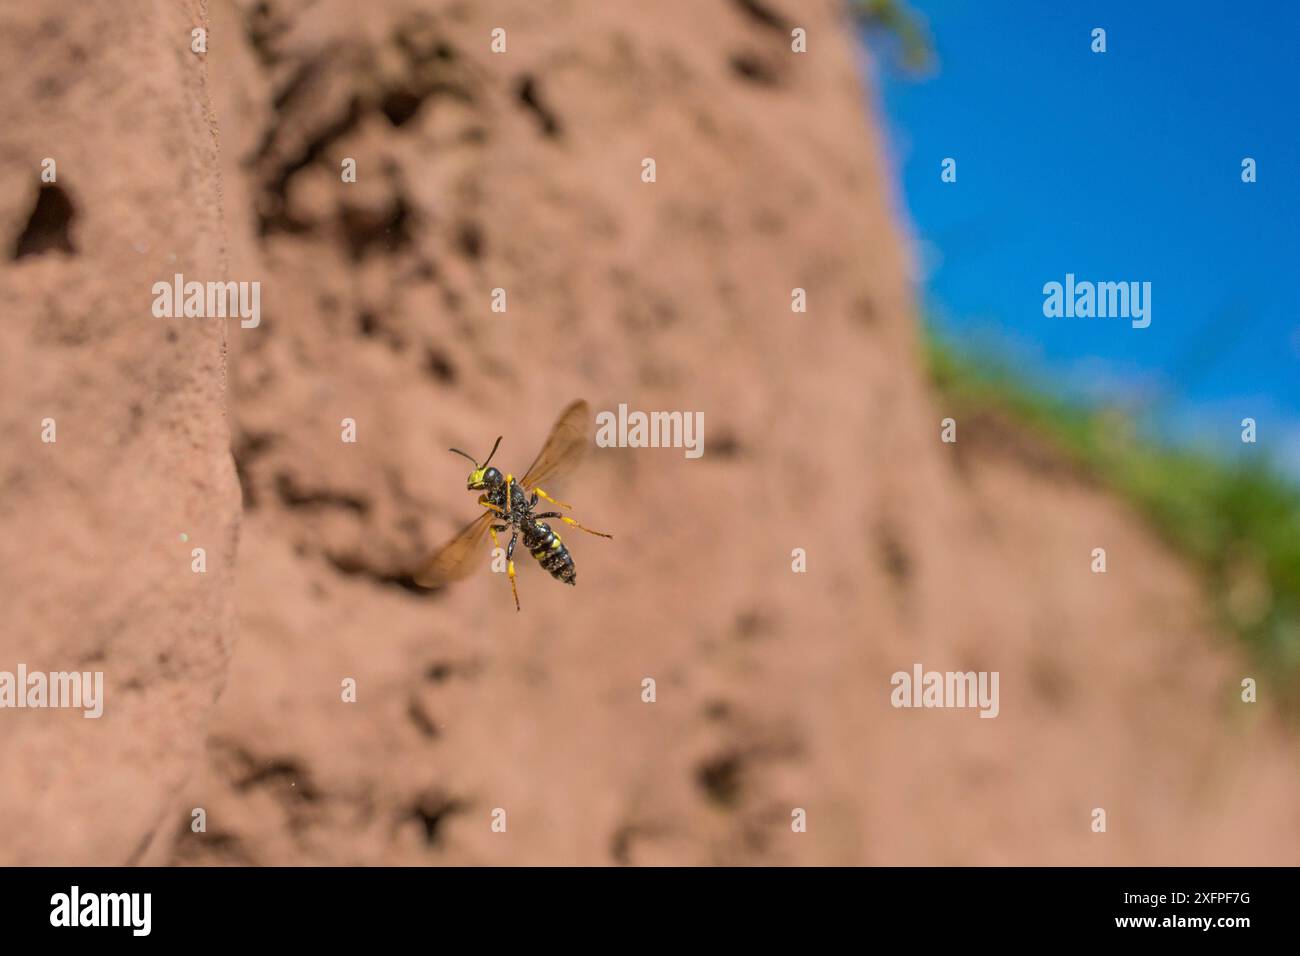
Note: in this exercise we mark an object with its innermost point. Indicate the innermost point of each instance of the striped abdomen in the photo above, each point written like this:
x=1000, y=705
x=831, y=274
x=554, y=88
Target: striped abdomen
x=545, y=545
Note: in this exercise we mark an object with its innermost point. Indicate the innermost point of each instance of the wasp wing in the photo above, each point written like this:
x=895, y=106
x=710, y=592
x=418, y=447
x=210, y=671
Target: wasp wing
x=564, y=447
x=455, y=559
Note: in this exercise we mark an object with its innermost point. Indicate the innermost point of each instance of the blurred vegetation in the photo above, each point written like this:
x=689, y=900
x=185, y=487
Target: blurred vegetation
x=894, y=18
x=1238, y=522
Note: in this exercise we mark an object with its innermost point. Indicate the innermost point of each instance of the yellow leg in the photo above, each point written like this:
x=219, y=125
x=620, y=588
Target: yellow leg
x=510, y=565
x=482, y=499
x=542, y=494
x=510, y=484
x=582, y=527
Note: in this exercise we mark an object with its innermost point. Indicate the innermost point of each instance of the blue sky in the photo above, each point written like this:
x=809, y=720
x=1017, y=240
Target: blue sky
x=1116, y=166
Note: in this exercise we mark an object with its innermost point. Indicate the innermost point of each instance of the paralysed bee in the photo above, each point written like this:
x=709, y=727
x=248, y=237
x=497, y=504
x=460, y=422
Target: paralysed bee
x=510, y=505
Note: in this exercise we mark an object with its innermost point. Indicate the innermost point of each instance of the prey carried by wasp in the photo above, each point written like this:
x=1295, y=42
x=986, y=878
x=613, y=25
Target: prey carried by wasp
x=510, y=505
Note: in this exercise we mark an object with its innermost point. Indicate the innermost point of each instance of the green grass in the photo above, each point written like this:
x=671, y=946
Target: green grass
x=1238, y=523
x=896, y=19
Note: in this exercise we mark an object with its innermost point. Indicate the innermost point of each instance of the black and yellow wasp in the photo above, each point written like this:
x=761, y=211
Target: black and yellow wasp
x=510, y=505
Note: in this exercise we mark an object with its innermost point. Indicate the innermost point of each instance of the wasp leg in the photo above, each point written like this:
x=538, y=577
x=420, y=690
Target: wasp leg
x=510, y=567
x=538, y=491
x=566, y=520
x=510, y=484
x=482, y=499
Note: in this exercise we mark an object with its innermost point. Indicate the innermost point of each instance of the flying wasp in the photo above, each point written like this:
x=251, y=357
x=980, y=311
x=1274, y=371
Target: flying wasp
x=510, y=505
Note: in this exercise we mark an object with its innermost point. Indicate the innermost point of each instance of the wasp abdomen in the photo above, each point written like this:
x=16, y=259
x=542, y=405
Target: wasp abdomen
x=545, y=545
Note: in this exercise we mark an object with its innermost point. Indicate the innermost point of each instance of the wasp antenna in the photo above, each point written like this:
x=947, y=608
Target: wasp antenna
x=459, y=452
x=494, y=450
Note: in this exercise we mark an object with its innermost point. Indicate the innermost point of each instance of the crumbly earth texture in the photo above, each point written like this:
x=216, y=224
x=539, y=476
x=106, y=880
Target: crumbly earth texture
x=522, y=171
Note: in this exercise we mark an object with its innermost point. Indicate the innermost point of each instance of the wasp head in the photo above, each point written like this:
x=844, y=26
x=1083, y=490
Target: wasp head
x=482, y=477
